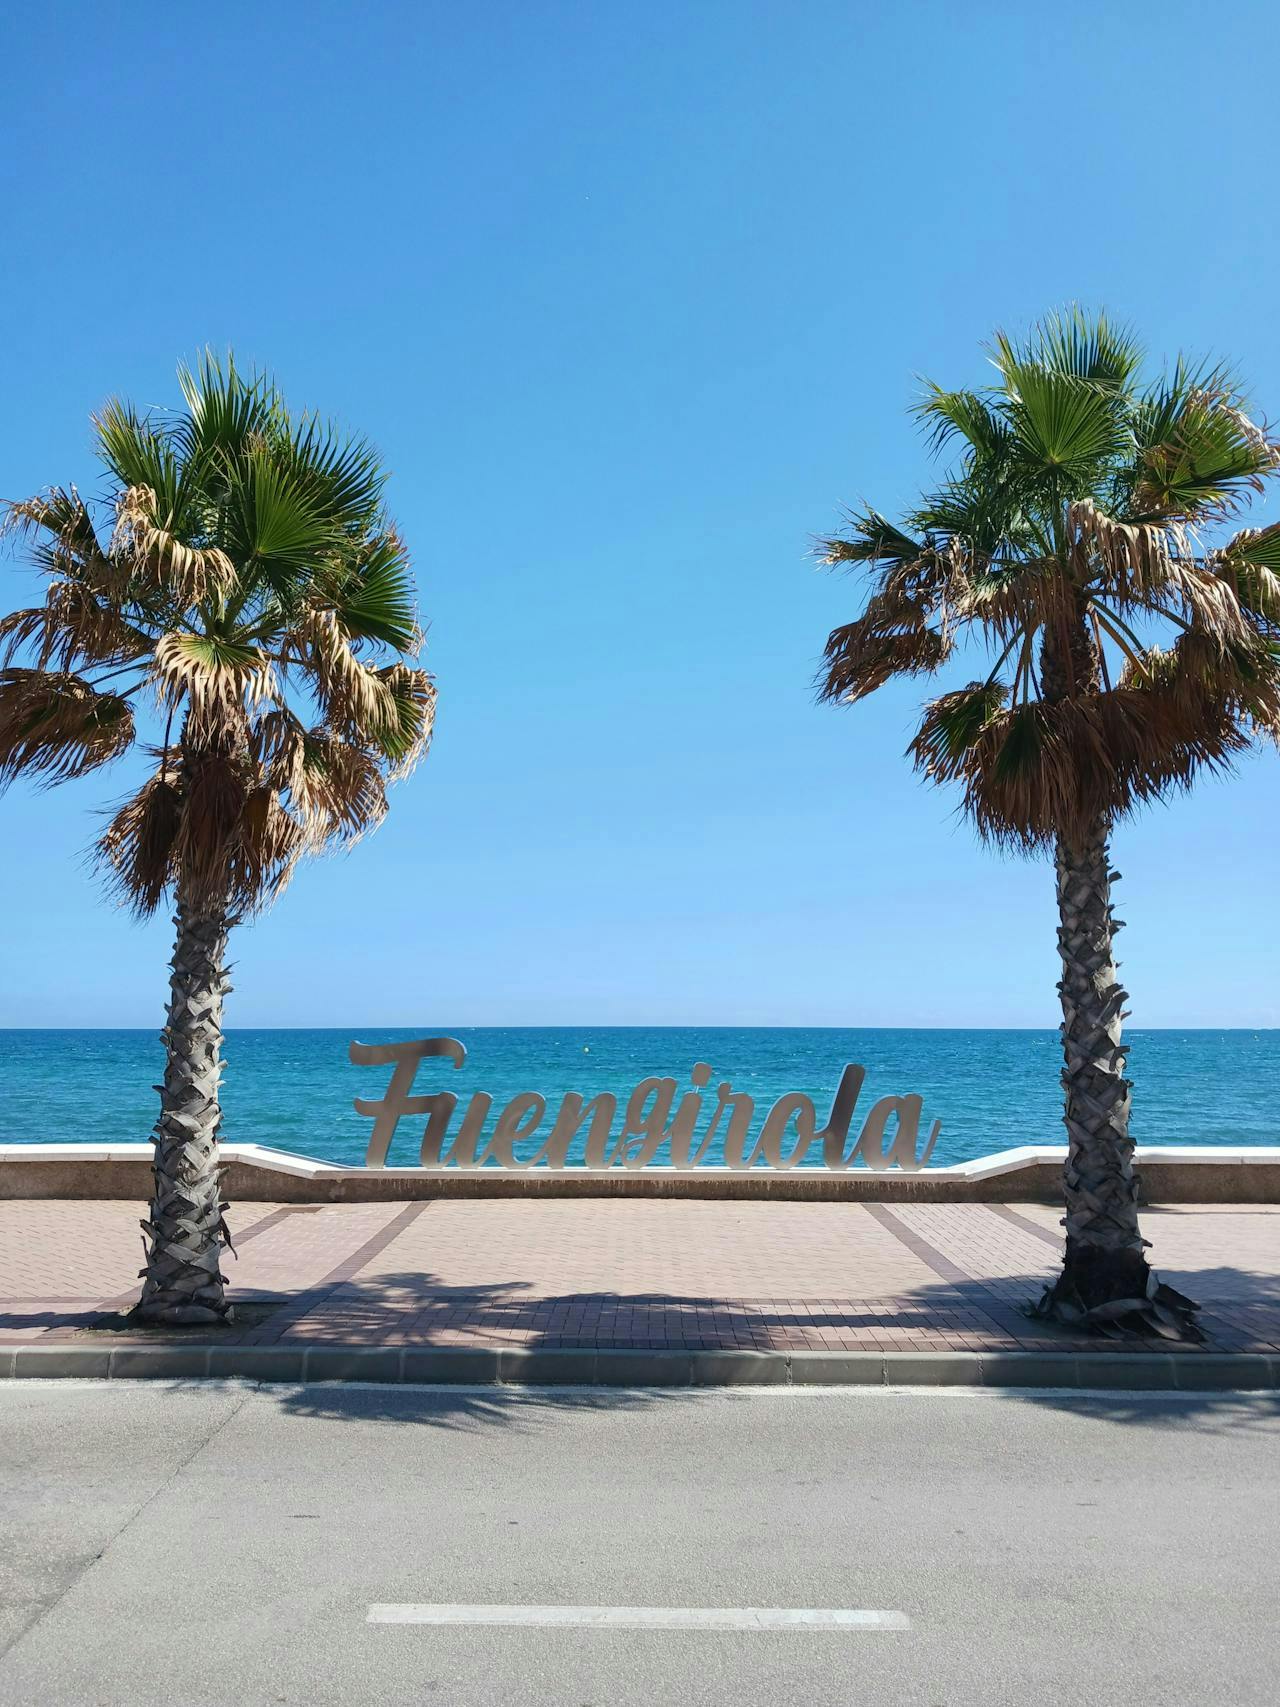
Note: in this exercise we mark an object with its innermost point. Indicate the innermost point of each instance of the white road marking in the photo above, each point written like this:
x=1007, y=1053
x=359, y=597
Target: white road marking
x=644, y=1617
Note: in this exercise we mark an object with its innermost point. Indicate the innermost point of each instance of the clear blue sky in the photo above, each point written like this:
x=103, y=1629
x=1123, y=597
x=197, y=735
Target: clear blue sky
x=633, y=297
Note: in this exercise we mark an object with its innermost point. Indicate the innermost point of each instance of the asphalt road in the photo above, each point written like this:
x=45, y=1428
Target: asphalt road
x=223, y=1544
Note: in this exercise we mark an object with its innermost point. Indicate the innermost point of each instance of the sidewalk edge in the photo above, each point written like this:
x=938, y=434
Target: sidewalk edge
x=622, y=1366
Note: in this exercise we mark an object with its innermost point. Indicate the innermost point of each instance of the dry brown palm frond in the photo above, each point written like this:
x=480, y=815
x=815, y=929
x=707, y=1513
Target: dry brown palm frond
x=351, y=693
x=269, y=845
x=1015, y=600
x=64, y=543
x=55, y=726
x=343, y=795
x=22, y=629
x=861, y=656
x=186, y=574
x=73, y=625
x=1033, y=772
x=215, y=782
x=137, y=847
x=1199, y=680
x=221, y=681
x=1148, y=567
x=1243, y=563
x=405, y=740
x=277, y=743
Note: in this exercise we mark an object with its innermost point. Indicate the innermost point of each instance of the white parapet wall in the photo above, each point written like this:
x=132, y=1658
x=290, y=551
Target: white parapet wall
x=1185, y=1173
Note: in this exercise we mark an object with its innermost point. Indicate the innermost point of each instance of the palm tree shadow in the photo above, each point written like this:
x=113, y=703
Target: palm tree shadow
x=1241, y=1311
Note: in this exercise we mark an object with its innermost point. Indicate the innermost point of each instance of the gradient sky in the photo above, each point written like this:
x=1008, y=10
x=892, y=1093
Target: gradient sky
x=633, y=296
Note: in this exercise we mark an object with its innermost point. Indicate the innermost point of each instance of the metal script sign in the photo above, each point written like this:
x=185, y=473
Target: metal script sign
x=653, y=1117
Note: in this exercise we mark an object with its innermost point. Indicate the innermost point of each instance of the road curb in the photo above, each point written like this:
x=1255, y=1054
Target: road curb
x=622, y=1366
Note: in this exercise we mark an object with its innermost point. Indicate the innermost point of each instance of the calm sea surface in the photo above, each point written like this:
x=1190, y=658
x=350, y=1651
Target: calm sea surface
x=293, y=1089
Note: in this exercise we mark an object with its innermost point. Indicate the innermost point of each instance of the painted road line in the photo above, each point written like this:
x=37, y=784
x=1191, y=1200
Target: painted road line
x=644, y=1617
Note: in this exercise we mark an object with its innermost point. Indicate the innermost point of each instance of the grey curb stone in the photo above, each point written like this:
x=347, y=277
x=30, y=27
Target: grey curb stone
x=1029, y=1369
x=159, y=1362
x=637, y=1366
x=622, y=1366
x=838, y=1368
x=464, y=1366
x=739, y=1368
x=352, y=1363
x=47, y=1362
x=1208, y=1370
x=573, y=1366
x=932, y=1369
x=1129, y=1371
x=257, y=1362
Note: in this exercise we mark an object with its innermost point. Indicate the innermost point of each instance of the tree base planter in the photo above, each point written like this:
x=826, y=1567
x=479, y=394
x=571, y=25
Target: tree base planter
x=1117, y=1294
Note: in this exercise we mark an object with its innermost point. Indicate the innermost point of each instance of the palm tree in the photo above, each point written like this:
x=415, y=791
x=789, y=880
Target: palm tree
x=252, y=587
x=1067, y=539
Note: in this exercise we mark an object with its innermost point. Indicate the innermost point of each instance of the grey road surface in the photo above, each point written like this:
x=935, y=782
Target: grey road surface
x=225, y=1544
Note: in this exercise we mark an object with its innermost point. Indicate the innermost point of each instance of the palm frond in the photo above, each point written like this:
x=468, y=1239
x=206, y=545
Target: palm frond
x=371, y=594
x=140, y=454
x=872, y=538
x=1250, y=562
x=1079, y=345
x=1062, y=425
x=215, y=677
x=55, y=726
x=861, y=656
x=184, y=574
x=966, y=415
x=1209, y=457
x=137, y=846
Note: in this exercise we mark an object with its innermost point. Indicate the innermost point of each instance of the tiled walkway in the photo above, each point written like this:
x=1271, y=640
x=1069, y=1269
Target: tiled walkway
x=650, y=1273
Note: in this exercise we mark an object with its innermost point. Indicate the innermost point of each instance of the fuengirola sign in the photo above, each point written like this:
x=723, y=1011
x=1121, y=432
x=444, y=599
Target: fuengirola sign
x=653, y=1117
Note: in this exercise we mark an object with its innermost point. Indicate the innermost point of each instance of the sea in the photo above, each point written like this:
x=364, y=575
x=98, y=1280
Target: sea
x=294, y=1089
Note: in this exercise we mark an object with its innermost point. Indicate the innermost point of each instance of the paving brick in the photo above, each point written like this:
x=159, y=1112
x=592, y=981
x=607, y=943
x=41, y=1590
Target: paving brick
x=664, y=1277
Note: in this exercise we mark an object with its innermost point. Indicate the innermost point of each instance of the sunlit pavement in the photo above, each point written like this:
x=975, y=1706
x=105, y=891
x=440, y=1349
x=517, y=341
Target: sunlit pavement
x=226, y=1544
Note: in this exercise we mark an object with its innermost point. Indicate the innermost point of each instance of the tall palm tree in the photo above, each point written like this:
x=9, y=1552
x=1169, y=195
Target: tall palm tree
x=1067, y=538
x=253, y=589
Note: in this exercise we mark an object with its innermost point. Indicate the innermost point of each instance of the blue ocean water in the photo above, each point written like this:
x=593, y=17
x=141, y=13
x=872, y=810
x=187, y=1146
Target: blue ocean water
x=293, y=1090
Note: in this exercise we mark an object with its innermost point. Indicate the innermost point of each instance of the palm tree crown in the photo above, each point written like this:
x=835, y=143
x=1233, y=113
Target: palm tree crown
x=1070, y=526
x=252, y=585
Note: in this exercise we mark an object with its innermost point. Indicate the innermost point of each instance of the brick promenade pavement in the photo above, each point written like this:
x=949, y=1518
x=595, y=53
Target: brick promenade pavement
x=636, y=1273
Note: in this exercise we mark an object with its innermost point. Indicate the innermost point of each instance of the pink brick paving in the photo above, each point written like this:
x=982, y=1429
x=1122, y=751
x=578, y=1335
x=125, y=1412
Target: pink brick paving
x=650, y=1273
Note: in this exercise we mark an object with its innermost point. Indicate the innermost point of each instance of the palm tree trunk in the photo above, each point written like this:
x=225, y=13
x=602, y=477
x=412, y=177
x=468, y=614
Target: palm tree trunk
x=186, y=1232
x=1105, y=1277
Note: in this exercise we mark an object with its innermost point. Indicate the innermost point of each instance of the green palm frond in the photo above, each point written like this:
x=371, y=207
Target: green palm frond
x=250, y=560
x=139, y=454
x=1071, y=523
x=872, y=538
x=964, y=415
x=1079, y=345
x=372, y=594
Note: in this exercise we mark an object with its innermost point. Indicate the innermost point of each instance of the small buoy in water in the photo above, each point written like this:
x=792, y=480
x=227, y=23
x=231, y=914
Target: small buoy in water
x=586, y=1049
